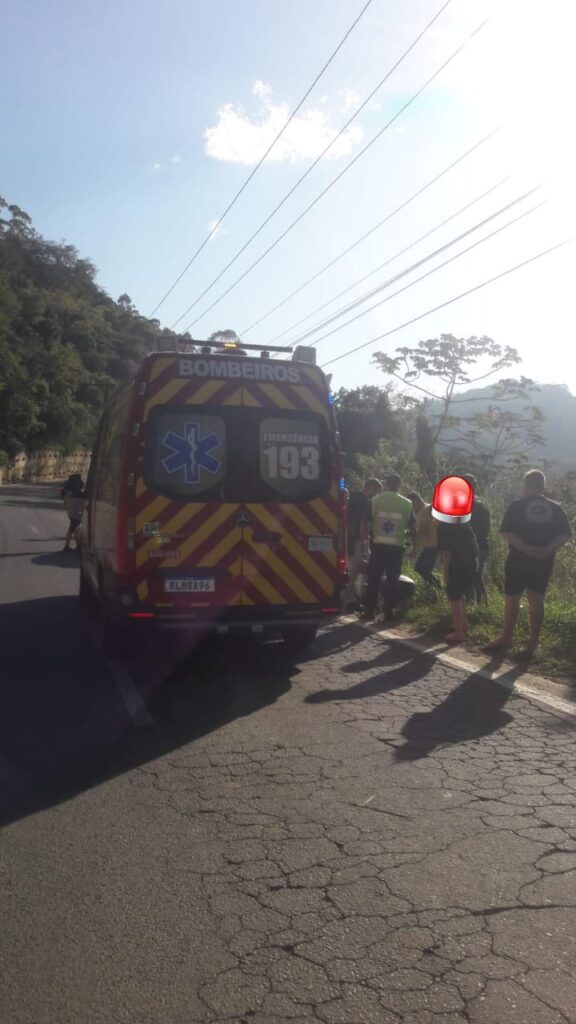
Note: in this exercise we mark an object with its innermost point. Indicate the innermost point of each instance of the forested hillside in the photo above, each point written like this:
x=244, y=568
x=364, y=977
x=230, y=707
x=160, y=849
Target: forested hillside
x=558, y=426
x=64, y=343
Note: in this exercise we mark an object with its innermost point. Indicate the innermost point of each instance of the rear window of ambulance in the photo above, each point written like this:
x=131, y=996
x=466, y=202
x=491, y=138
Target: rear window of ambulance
x=236, y=454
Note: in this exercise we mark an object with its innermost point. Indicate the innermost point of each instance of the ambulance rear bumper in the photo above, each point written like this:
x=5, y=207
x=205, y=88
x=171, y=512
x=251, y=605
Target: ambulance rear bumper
x=245, y=620
x=235, y=620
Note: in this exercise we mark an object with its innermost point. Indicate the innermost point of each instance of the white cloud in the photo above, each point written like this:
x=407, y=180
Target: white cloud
x=349, y=100
x=176, y=159
x=219, y=231
x=261, y=89
x=157, y=167
x=241, y=138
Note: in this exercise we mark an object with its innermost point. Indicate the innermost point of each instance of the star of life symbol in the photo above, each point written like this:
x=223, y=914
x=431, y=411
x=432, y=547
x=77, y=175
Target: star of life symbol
x=191, y=452
x=388, y=526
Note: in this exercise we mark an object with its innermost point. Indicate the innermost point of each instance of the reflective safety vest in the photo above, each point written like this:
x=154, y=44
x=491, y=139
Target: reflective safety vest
x=390, y=517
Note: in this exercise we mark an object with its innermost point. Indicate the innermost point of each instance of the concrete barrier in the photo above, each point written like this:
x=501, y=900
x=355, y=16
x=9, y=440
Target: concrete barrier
x=44, y=466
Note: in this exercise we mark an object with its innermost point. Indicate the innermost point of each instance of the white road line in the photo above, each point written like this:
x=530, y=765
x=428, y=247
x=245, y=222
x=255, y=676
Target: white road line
x=34, y=529
x=131, y=696
x=550, y=701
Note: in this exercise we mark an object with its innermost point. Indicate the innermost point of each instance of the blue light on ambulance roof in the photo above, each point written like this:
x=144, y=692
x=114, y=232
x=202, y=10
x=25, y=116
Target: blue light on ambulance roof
x=342, y=483
x=331, y=398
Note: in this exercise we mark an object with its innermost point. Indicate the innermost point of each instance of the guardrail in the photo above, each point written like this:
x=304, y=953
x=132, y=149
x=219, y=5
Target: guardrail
x=44, y=466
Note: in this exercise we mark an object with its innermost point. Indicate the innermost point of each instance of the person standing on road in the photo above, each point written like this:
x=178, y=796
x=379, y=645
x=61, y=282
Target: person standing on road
x=358, y=510
x=481, y=525
x=74, y=496
x=535, y=528
x=426, y=528
x=391, y=517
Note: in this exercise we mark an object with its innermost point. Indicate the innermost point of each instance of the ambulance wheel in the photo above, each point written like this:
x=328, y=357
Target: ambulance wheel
x=300, y=638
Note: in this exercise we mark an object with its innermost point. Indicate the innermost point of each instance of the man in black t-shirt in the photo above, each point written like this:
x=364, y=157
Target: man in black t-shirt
x=357, y=516
x=535, y=527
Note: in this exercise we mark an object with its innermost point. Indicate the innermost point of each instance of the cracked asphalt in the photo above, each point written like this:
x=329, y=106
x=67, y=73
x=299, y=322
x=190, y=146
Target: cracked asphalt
x=365, y=836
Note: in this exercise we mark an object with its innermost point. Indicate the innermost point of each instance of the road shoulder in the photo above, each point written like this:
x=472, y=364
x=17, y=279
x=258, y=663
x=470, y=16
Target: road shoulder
x=555, y=695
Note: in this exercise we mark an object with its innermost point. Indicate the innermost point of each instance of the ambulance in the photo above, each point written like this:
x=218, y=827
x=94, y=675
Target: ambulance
x=216, y=498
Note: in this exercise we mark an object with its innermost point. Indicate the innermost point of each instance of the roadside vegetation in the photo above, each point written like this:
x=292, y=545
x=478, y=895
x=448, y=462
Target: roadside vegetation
x=556, y=659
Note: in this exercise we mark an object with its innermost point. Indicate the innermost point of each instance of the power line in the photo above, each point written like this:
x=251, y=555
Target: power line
x=363, y=237
x=412, y=267
x=317, y=160
x=344, y=171
x=262, y=158
x=443, y=305
x=396, y=255
x=433, y=271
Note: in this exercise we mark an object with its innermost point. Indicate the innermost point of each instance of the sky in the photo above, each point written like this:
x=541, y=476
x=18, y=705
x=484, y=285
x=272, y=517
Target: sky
x=128, y=127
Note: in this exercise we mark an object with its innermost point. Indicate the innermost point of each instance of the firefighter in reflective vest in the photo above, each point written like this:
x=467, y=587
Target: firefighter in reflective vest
x=391, y=517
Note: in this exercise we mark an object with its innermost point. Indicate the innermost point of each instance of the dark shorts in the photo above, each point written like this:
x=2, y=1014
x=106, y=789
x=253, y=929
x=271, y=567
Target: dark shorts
x=523, y=573
x=461, y=579
x=75, y=522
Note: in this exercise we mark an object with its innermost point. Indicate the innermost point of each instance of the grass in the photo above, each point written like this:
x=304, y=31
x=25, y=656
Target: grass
x=556, y=656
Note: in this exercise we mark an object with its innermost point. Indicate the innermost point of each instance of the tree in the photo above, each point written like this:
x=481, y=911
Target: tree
x=372, y=426
x=425, y=455
x=497, y=440
x=64, y=343
x=227, y=335
x=364, y=418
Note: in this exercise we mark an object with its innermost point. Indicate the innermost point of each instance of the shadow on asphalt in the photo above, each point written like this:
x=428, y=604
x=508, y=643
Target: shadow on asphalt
x=476, y=708
x=64, y=726
x=334, y=641
x=61, y=559
x=409, y=669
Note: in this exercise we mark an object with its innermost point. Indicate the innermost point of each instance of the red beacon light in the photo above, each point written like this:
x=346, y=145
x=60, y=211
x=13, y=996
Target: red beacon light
x=453, y=500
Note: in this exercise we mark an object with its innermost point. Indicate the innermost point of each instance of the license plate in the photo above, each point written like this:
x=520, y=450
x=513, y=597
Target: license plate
x=189, y=586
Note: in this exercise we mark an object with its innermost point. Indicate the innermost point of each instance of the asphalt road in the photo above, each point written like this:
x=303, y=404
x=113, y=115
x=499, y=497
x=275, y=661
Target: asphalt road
x=223, y=837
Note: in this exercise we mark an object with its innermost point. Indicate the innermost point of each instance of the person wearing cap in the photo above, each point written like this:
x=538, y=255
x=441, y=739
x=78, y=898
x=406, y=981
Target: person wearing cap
x=481, y=524
x=391, y=518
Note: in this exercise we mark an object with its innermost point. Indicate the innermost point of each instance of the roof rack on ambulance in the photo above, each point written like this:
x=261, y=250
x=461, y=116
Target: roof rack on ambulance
x=301, y=353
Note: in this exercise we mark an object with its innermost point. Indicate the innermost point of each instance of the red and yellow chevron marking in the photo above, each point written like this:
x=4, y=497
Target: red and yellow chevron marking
x=261, y=579
x=287, y=397
x=276, y=569
x=186, y=391
x=199, y=523
x=310, y=576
